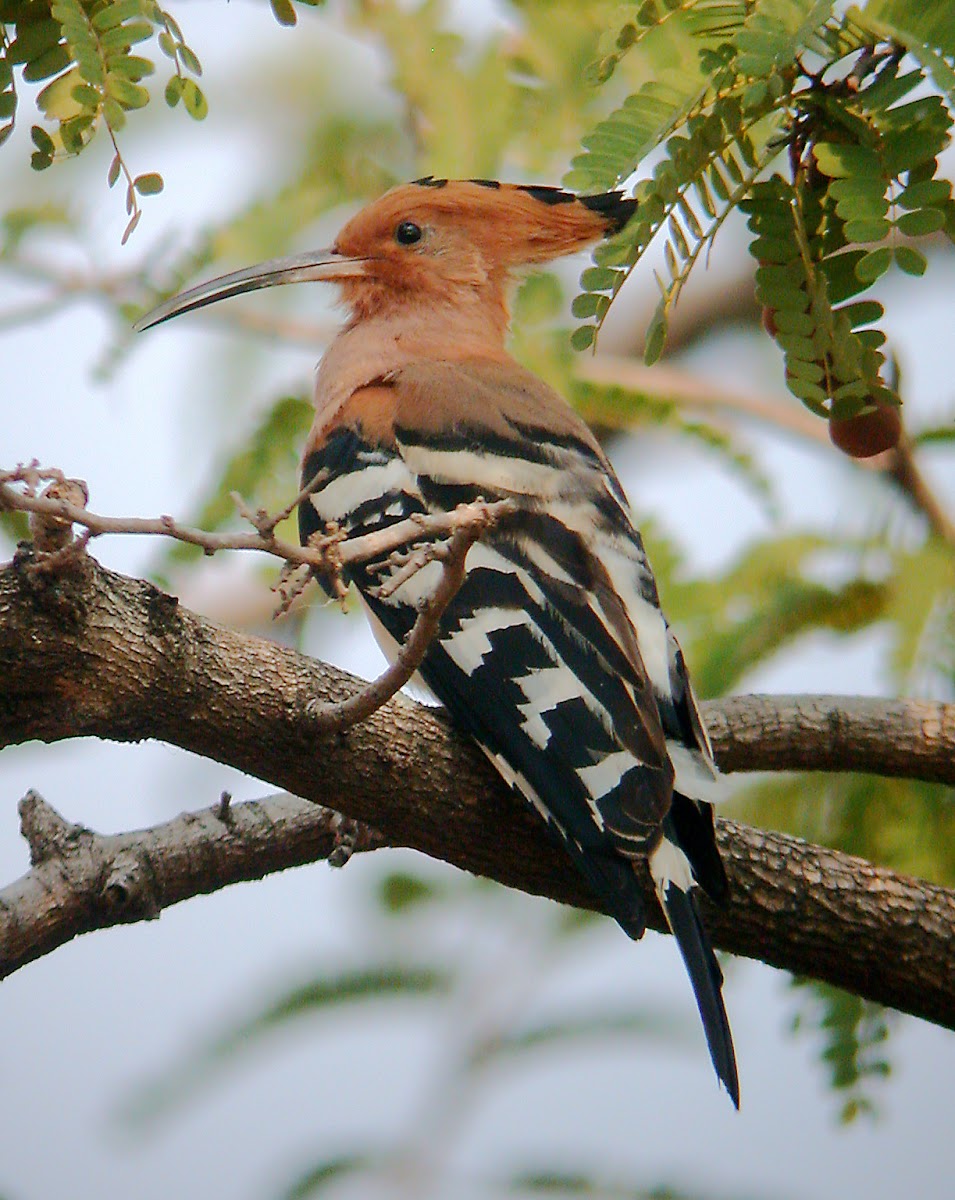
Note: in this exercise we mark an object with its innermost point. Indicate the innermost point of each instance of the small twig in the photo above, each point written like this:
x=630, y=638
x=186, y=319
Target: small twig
x=292, y=582
x=683, y=388
x=324, y=554
x=903, y=470
x=332, y=718
x=403, y=565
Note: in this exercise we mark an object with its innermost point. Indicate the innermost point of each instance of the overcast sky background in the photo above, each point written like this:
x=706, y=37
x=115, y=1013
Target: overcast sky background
x=81, y=1029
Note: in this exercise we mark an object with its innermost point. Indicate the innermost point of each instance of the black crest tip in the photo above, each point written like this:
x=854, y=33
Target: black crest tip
x=616, y=208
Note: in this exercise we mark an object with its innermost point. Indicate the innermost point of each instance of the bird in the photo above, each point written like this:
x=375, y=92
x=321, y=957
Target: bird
x=554, y=654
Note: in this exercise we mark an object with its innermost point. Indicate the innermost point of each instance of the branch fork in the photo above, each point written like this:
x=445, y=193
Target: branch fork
x=63, y=503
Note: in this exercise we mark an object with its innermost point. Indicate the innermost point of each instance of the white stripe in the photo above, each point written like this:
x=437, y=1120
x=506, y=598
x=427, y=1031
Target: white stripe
x=418, y=588
x=668, y=864
x=604, y=776
x=545, y=689
x=516, y=780
x=694, y=775
x=469, y=644
x=647, y=620
x=343, y=495
x=538, y=555
x=627, y=569
x=497, y=472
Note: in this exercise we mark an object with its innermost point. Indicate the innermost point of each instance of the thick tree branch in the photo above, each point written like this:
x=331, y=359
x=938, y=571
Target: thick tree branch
x=88, y=652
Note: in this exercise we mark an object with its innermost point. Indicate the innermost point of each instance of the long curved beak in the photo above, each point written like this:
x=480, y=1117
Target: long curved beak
x=294, y=268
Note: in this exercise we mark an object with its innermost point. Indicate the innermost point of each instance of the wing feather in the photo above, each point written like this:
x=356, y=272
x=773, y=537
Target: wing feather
x=554, y=655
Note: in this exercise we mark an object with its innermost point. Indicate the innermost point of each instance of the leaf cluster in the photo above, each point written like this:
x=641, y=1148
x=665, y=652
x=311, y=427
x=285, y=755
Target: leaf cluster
x=828, y=92
x=84, y=53
x=853, y=1035
x=91, y=58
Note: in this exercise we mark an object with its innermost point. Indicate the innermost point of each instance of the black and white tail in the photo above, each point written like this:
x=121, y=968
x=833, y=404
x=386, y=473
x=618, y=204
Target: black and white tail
x=674, y=882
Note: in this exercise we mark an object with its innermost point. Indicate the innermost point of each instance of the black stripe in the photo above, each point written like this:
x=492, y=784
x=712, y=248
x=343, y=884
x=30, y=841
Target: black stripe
x=706, y=978
x=532, y=444
x=537, y=435
x=371, y=514
x=693, y=828
x=547, y=195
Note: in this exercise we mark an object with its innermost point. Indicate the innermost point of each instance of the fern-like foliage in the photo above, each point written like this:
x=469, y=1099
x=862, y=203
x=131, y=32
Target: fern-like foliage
x=85, y=54
x=826, y=92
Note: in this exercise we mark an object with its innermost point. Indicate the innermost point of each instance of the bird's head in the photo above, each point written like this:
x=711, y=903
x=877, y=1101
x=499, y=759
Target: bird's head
x=431, y=242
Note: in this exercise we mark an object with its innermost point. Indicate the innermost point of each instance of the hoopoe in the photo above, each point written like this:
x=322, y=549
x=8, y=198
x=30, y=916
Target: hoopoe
x=554, y=654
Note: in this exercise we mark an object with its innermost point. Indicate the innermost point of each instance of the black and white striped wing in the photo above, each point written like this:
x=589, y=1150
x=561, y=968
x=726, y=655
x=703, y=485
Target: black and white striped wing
x=553, y=655
x=536, y=656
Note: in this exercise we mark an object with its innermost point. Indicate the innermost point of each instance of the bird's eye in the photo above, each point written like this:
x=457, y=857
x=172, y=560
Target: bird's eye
x=408, y=233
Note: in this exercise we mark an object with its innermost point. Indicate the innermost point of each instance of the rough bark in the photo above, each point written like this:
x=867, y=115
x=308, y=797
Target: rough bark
x=89, y=652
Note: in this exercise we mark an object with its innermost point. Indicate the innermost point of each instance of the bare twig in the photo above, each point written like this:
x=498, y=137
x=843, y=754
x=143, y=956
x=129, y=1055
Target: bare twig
x=903, y=470
x=322, y=554
x=683, y=388
x=452, y=554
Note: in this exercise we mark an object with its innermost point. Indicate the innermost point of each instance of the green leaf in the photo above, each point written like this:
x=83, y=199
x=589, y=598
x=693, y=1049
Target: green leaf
x=928, y=192
x=874, y=264
x=320, y=996
x=593, y=1027
x=129, y=95
x=841, y=160
x=124, y=36
x=399, y=891
x=583, y=337
x=869, y=231
x=589, y=304
x=148, y=185
x=194, y=100
x=131, y=66
x=283, y=12
x=910, y=260
x=115, y=13
x=42, y=140
x=921, y=222
x=74, y=133
x=853, y=1033
x=600, y=279
x=32, y=40
x=656, y=334
x=50, y=63
x=86, y=94
x=327, y=1173
x=189, y=61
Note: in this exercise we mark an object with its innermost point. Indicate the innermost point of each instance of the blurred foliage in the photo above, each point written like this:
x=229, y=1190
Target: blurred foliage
x=853, y=1034
x=477, y=1012
x=717, y=92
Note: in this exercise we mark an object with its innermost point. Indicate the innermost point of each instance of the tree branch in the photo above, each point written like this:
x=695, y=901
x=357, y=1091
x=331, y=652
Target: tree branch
x=327, y=555
x=89, y=652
